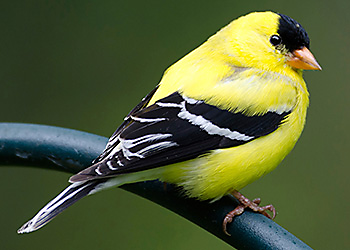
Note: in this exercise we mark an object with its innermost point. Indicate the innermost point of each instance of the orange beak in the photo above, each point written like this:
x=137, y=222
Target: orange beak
x=303, y=59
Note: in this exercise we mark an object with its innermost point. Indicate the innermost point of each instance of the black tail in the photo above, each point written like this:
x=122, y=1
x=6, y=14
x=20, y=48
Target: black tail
x=68, y=197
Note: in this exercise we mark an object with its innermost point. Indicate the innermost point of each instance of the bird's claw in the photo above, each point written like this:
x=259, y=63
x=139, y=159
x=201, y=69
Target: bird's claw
x=229, y=217
x=246, y=203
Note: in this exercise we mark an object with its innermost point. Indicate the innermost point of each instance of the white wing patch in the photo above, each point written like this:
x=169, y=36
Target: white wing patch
x=110, y=166
x=147, y=138
x=168, y=105
x=203, y=123
x=148, y=119
x=156, y=147
x=98, y=171
x=281, y=109
x=208, y=126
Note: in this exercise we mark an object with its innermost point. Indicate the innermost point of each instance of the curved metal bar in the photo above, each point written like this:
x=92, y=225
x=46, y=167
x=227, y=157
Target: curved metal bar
x=71, y=151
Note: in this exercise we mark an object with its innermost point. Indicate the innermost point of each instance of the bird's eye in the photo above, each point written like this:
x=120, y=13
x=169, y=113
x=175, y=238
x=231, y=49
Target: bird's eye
x=275, y=40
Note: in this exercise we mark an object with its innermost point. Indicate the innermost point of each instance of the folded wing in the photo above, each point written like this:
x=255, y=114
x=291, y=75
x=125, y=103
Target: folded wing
x=174, y=129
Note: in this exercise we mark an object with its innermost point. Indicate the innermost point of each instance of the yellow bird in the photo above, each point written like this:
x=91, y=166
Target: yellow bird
x=220, y=118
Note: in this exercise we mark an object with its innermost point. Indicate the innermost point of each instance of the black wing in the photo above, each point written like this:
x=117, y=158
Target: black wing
x=175, y=129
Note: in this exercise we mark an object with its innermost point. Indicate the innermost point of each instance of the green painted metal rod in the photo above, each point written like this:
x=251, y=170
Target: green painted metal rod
x=71, y=151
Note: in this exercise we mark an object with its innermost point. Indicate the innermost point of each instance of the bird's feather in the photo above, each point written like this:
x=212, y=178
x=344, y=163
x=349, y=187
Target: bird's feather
x=175, y=129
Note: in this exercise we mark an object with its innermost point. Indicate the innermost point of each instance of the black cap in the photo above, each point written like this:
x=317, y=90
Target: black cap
x=292, y=33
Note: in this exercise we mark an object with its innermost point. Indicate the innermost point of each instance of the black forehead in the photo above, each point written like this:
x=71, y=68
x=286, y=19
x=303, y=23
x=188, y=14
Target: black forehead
x=292, y=33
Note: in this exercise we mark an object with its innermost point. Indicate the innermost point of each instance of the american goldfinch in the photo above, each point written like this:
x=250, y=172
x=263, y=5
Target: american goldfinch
x=220, y=118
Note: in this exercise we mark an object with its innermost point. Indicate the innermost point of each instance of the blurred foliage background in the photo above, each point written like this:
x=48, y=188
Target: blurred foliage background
x=85, y=64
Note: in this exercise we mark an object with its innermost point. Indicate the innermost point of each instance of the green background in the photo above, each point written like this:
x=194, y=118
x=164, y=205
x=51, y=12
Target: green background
x=85, y=64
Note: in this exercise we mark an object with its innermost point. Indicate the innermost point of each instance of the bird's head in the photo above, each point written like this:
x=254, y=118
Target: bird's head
x=267, y=41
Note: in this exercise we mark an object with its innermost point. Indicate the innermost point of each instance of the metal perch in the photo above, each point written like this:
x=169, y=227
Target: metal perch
x=71, y=151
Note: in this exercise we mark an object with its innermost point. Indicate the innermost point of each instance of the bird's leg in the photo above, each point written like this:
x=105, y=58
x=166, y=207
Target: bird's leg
x=246, y=203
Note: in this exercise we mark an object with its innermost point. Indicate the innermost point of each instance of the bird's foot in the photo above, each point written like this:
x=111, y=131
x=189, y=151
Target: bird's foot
x=246, y=203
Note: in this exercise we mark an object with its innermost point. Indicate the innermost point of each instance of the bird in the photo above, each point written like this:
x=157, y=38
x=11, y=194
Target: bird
x=220, y=118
